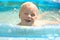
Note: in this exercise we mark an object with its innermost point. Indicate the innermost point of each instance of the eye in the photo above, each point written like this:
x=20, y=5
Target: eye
x=26, y=13
x=32, y=14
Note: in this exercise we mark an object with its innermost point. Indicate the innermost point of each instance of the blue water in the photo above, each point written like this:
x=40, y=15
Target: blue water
x=9, y=11
x=7, y=30
x=45, y=5
x=15, y=32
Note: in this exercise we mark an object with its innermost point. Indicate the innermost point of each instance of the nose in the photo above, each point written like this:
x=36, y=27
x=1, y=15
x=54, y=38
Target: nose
x=29, y=16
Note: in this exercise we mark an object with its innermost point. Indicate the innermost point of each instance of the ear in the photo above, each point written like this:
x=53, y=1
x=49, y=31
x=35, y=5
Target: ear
x=19, y=15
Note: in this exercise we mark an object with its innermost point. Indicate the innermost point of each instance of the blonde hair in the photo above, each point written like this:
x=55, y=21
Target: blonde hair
x=27, y=4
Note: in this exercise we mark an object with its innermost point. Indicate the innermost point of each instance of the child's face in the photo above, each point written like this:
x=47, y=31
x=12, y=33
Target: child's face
x=28, y=14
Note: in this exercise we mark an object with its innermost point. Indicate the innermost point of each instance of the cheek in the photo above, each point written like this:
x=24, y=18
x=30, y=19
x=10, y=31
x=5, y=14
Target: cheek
x=24, y=16
x=34, y=18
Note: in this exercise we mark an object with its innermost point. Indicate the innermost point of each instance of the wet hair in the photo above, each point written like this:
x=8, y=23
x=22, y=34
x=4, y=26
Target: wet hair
x=27, y=4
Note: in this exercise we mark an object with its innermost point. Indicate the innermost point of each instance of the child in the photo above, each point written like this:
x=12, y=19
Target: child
x=29, y=15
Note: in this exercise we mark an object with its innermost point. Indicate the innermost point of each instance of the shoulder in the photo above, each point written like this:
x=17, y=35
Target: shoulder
x=41, y=22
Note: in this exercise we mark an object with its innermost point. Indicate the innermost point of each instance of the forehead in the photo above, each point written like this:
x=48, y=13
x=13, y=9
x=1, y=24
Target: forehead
x=29, y=8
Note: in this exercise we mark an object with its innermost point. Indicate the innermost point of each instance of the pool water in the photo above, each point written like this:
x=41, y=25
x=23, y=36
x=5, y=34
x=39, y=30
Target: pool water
x=9, y=12
x=15, y=32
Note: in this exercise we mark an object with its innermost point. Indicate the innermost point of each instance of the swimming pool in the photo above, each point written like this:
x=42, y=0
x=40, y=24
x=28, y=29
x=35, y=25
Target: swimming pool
x=9, y=11
x=9, y=15
x=15, y=32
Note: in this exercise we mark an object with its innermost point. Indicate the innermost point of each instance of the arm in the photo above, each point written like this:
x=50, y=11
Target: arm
x=42, y=15
x=52, y=22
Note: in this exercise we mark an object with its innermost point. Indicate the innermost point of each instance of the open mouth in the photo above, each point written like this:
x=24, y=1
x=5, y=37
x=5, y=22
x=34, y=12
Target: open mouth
x=28, y=20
